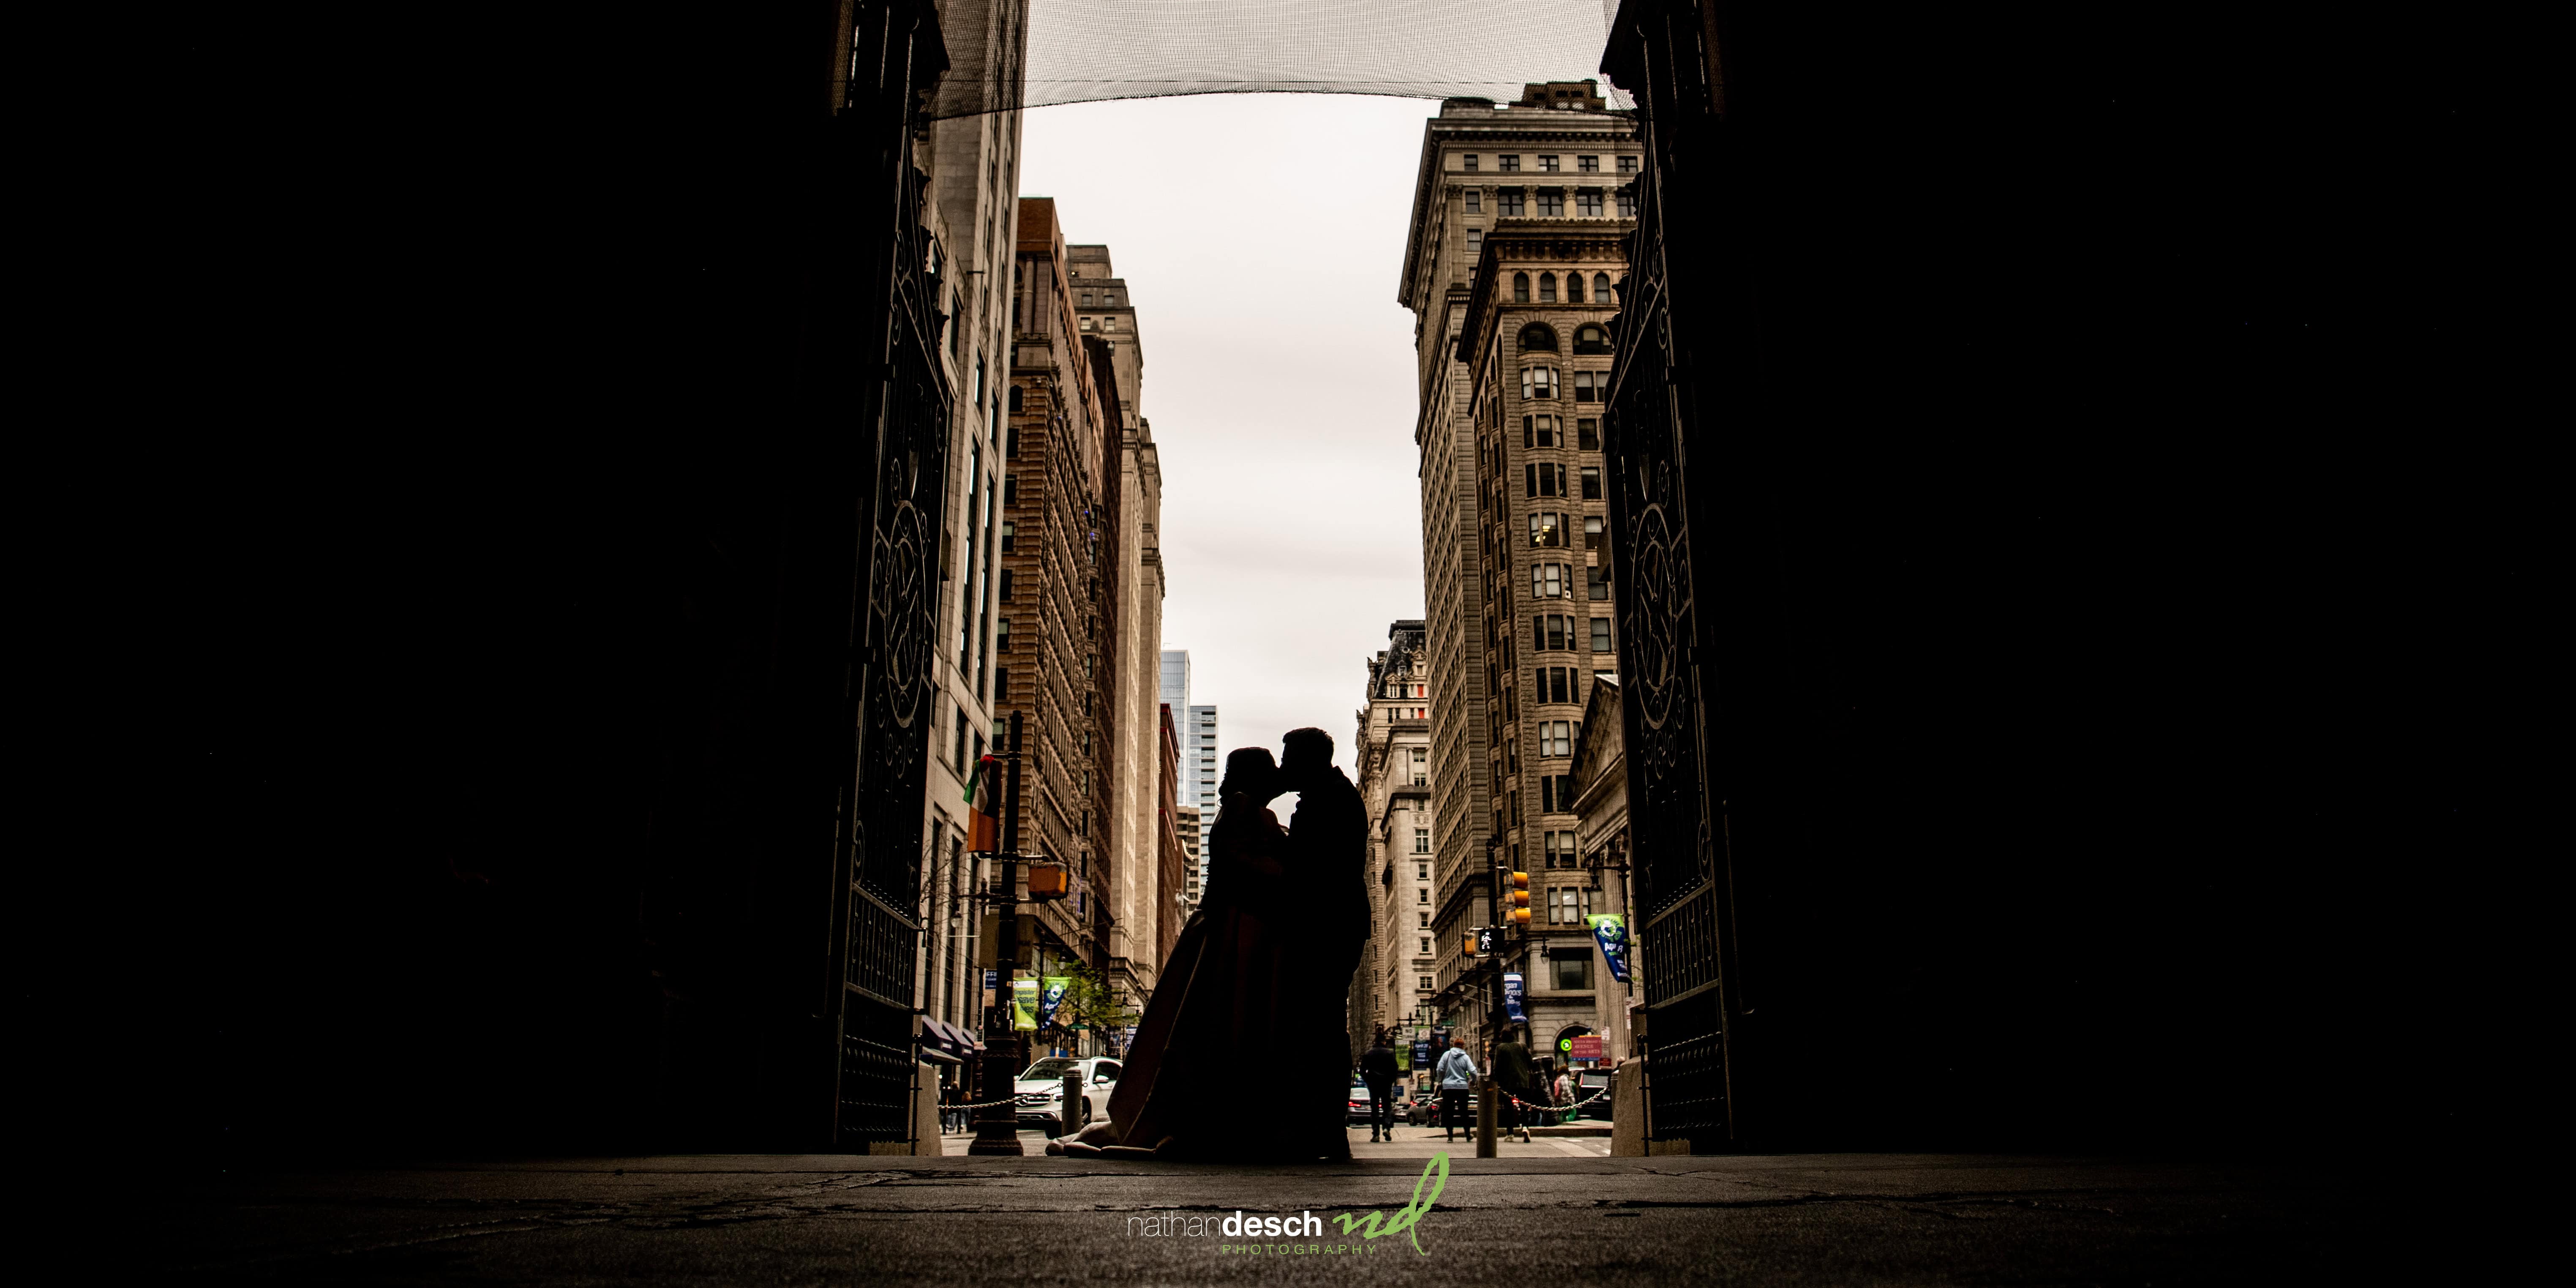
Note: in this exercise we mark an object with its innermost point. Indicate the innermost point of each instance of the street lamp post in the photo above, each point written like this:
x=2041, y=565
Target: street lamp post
x=997, y=1126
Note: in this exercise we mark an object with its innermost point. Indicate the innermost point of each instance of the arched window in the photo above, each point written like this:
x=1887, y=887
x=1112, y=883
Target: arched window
x=1591, y=338
x=1601, y=287
x=1574, y=288
x=1538, y=338
x=1547, y=287
x=1015, y=400
x=1520, y=288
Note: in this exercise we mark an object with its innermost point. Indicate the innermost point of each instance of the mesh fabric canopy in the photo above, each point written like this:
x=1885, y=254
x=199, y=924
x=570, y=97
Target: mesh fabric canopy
x=1082, y=51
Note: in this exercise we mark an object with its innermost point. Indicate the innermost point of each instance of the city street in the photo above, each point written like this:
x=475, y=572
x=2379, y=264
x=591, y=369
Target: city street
x=1524, y=1218
x=1409, y=1142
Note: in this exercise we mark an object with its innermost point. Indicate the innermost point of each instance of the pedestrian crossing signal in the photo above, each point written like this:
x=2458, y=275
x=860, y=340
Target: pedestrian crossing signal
x=1484, y=941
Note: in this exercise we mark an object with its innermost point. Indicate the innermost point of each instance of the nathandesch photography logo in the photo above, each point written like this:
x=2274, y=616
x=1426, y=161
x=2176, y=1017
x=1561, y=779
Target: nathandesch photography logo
x=1289, y=1235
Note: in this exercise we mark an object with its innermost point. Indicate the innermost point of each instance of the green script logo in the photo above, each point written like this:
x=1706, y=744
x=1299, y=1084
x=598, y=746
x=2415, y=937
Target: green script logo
x=1435, y=1175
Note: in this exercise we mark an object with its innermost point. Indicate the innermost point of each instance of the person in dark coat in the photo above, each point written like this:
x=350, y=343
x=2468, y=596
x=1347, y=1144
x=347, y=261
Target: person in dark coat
x=1514, y=1075
x=1328, y=880
x=1377, y=1069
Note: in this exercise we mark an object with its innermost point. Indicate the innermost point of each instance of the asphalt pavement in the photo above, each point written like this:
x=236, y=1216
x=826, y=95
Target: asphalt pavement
x=1538, y=1215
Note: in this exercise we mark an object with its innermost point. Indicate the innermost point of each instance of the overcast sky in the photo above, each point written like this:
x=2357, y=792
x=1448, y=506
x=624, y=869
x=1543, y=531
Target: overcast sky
x=1261, y=237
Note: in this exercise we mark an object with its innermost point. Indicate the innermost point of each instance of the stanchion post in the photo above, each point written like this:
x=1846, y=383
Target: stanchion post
x=1486, y=1091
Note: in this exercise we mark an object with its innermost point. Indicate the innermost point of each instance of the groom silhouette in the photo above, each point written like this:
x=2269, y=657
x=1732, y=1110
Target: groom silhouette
x=1328, y=875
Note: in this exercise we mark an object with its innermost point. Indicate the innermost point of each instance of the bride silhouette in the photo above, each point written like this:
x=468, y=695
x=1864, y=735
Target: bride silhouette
x=1202, y=1078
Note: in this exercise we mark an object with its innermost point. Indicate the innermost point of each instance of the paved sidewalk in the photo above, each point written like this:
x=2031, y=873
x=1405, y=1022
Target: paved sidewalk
x=835, y=1219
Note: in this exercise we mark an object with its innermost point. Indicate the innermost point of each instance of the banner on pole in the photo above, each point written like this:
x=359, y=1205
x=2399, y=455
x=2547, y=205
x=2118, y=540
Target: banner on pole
x=1512, y=996
x=1024, y=1005
x=1053, y=997
x=1610, y=930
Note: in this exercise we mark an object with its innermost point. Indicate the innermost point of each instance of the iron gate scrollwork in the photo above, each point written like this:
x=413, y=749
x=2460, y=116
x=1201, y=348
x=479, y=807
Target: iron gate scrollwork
x=888, y=675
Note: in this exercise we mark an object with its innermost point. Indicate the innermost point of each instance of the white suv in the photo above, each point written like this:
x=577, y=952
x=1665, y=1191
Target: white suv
x=1040, y=1089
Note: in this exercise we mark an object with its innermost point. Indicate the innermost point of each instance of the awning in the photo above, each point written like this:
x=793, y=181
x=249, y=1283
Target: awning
x=941, y=1040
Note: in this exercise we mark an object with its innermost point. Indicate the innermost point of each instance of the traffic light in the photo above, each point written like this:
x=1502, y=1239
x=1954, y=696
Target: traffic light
x=1468, y=948
x=1520, y=899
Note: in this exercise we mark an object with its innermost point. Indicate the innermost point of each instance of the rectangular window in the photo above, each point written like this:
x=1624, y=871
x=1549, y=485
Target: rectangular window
x=1471, y=162
x=1627, y=165
x=1587, y=433
x=1627, y=203
x=1475, y=201
x=1548, y=164
x=1574, y=974
x=1591, y=482
x=1425, y=985
x=1592, y=532
x=1547, y=432
x=1509, y=163
x=1425, y=950
x=1475, y=241
x=1551, y=202
x=1010, y=489
x=1547, y=484
x=1538, y=382
x=1002, y=635
x=1587, y=203
x=1509, y=200
x=1600, y=634
x=1011, y=446
x=1426, y=921
x=1006, y=585
x=1422, y=840
x=1422, y=872
x=1538, y=630
x=1547, y=795
x=1001, y=684
x=1529, y=478
x=1597, y=583
x=1557, y=687
x=1583, y=386
x=1587, y=165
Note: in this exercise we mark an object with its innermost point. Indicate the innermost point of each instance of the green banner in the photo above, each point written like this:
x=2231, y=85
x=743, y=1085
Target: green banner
x=1024, y=1005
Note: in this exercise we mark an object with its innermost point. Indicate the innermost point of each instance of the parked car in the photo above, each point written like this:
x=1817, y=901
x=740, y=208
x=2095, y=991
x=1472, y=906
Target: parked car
x=1040, y=1089
x=1359, y=1097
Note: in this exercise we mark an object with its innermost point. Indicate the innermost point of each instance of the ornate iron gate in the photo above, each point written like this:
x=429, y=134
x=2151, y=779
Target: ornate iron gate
x=1677, y=803
x=903, y=417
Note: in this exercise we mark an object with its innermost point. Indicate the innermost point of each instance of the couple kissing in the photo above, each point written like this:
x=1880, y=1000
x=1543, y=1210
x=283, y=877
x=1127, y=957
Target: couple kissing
x=1242, y=1052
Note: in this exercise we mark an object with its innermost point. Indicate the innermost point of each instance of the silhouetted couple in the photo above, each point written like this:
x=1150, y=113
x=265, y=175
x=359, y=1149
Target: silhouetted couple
x=1242, y=1053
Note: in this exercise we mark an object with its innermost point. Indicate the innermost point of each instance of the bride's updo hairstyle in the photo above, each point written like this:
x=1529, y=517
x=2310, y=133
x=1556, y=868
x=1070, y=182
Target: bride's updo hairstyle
x=1249, y=769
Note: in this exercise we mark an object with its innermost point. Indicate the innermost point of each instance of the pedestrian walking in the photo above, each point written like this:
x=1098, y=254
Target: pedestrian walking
x=1457, y=1073
x=1377, y=1069
x=1516, y=1078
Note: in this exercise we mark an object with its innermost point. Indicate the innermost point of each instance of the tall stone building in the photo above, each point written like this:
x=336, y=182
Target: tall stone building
x=973, y=213
x=1054, y=641
x=1143, y=896
x=1195, y=752
x=1517, y=219
x=1394, y=754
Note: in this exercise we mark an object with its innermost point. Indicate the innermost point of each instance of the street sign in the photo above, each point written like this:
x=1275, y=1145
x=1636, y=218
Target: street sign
x=1586, y=1047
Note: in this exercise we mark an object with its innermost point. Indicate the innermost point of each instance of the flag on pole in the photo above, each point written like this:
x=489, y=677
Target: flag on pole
x=984, y=803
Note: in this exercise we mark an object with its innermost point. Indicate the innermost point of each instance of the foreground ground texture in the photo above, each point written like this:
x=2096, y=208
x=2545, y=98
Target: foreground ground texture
x=833, y=1219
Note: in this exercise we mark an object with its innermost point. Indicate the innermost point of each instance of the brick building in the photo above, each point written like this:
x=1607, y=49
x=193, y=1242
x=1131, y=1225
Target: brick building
x=1510, y=269
x=1055, y=627
x=1394, y=754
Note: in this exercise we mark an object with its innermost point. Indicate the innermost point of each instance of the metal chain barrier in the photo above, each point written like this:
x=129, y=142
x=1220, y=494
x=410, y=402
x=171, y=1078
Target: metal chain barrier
x=1574, y=1104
